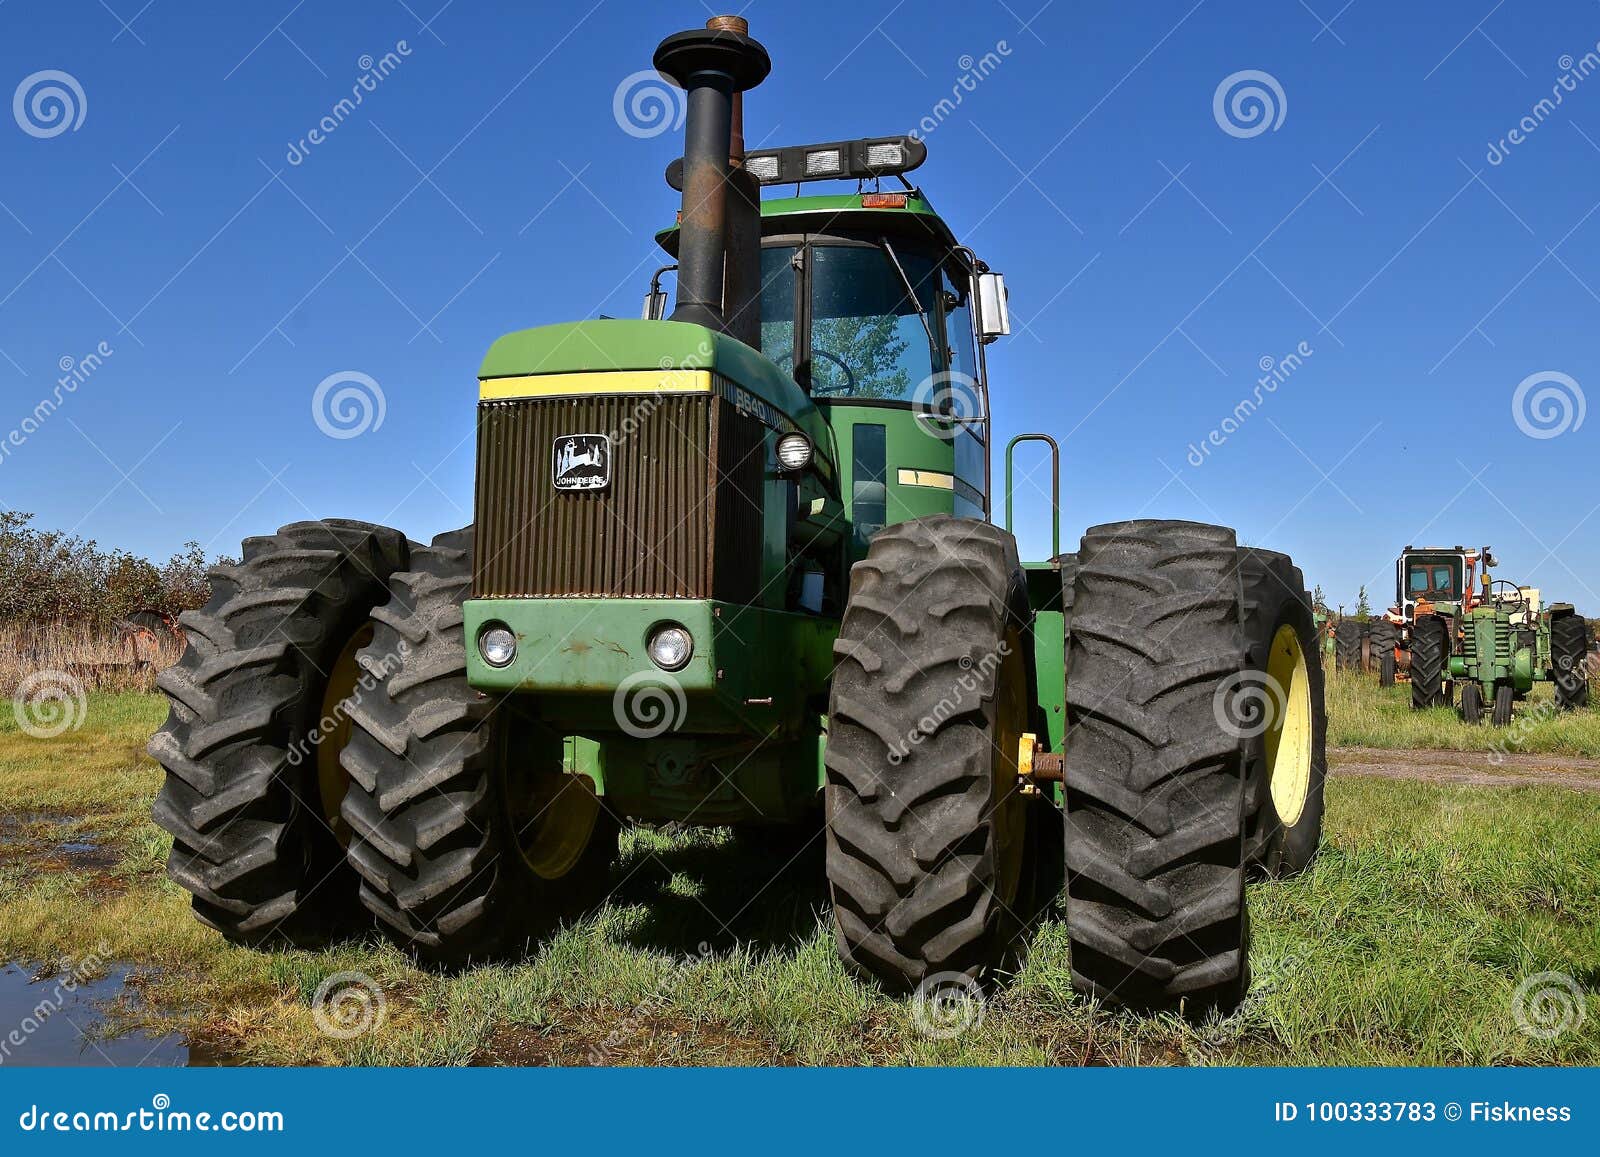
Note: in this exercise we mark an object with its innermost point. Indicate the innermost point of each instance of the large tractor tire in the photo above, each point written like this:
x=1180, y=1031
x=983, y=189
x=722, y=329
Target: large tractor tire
x=927, y=825
x=258, y=716
x=469, y=837
x=1347, y=645
x=1288, y=762
x=1382, y=635
x=1569, y=654
x=1157, y=767
x=1430, y=646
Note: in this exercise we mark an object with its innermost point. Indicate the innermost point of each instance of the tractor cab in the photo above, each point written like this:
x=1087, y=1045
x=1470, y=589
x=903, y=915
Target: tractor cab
x=870, y=305
x=1433, y=575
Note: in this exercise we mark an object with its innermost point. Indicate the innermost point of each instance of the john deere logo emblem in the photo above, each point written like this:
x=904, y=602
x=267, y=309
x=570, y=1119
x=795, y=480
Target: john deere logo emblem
x=582, y=462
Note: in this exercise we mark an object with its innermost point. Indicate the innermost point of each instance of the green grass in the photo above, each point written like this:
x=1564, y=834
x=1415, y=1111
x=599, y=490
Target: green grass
x=1404, y=944
x=1362, y=714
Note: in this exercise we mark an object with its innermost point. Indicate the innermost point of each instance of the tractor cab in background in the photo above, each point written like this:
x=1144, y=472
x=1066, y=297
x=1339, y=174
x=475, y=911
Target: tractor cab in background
x=1436, y=574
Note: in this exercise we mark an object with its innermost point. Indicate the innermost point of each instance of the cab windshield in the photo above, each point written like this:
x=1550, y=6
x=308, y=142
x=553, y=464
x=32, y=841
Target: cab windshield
x=1434, y=579
x=877, y=331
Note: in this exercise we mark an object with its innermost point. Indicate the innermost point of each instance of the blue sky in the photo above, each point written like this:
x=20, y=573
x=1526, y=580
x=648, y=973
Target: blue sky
x=1154, y=258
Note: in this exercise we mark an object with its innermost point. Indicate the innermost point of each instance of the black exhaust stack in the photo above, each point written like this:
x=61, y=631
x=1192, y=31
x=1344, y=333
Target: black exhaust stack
x=713, y=65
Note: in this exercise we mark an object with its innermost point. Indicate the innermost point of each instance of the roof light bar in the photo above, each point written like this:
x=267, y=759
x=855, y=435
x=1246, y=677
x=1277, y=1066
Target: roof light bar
x=830, y=161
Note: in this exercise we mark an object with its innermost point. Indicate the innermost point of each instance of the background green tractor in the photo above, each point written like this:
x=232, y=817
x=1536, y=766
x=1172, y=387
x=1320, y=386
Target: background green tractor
x=1495, y=638
x=736, y=568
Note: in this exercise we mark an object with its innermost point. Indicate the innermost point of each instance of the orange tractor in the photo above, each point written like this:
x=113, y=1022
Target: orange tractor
x=1424, y=577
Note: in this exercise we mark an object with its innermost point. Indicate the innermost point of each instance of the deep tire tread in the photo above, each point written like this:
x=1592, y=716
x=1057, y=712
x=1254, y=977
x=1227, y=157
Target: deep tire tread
x=1155, y=788
x=240, y=797
x=911, y=836
x=436, y=863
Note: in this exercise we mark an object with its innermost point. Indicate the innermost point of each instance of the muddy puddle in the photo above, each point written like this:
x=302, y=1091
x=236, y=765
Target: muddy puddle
x=55, y=838
x=49, y=1018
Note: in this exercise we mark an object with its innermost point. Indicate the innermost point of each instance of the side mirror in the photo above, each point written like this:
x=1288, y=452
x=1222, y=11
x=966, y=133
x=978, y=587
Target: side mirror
x=655, y=305
x=994, y=315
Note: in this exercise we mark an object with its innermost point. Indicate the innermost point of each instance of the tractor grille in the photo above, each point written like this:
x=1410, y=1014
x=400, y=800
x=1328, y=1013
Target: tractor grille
x=1504, y=643
x=680, y=519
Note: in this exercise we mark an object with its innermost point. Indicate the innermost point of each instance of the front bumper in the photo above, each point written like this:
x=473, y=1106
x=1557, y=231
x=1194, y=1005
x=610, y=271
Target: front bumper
x=752, y=670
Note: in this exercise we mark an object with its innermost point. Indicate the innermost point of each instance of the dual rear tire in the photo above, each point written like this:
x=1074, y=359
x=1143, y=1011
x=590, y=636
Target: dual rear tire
x=324, y=751
x=1194, y=752
x=251, y=797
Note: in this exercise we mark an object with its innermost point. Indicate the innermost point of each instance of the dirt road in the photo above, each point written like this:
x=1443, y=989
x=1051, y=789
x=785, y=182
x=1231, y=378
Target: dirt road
x=1470, y=768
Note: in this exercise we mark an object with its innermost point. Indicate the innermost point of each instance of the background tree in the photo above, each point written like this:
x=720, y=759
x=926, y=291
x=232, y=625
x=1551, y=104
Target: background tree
x=49, y=576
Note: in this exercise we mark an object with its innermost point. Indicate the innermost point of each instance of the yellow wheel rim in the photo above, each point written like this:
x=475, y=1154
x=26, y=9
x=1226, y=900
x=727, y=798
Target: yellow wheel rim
x=552, y=814
x=1288, y=740
x=333, y=730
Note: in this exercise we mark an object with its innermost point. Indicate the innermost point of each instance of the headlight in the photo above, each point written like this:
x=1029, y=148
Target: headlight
x=762, y=168
x=794, y=451
x=670, y=647
x=497, y=645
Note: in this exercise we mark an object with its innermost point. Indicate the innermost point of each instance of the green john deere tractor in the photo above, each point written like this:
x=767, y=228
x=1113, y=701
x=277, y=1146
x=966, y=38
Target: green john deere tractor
x=736, y=568
x=1496, y=640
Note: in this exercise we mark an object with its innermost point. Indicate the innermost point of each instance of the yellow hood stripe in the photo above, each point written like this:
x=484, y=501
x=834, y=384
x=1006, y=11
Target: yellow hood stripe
x=616, y=382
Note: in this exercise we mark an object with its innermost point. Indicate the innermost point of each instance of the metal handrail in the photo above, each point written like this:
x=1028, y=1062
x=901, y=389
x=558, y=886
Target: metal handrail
x=1055, y=486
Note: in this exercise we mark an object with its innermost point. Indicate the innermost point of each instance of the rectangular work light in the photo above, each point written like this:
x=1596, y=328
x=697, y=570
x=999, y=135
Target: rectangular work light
x=835, y=160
